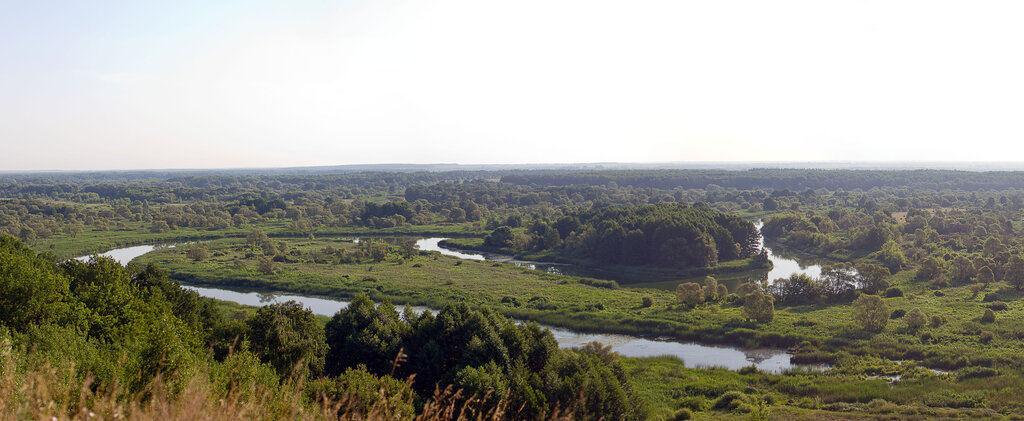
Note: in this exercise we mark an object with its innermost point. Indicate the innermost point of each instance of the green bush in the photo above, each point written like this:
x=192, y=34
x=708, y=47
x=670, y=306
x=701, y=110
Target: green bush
x=989, y=316
x=998, y=306
x=893, y=292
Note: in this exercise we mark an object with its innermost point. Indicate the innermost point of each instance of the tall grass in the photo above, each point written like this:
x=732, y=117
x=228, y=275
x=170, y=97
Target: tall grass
x=30, y=391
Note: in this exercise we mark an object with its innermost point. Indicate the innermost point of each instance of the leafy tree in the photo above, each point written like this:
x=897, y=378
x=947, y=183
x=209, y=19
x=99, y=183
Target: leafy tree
x=266, y=265
x=690, y=293
x=1014, y=271
x=160, y=226
x=961, y=269
x=985, y=275
x=798, y=288
x=500, y=237
x=711, y=289
x=892, y=256
x=364, y=334
x=872, y=277
x=745, y=289
x=289, y=338
x=931, y=268
x=197, y=253
x=871, y=312
x=759, y=306
x=992, y=247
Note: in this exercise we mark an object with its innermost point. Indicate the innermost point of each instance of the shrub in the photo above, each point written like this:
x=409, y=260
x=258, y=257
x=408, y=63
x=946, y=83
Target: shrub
x=759, y=307
x=990, y=297
x=646, y=301
x=976, y=372
x=694, y=403
x=894, y=292
x=989, y=316
x=730, y=400
x=939, y=294
x=986, y=337
x=937, y=320
x=870, y=312
x=897, y=313
x=998, y=306
x=683, y=414
x=916, y=319
x=690, y=294
x=975, y=290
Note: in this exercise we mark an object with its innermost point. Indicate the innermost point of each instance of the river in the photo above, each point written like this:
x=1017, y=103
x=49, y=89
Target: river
x=692, y=354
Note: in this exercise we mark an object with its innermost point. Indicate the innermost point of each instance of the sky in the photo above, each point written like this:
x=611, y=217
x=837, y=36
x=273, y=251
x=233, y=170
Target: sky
x=254, y=83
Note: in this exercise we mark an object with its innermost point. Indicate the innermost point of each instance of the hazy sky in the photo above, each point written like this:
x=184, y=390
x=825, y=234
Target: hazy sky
x=140, y=84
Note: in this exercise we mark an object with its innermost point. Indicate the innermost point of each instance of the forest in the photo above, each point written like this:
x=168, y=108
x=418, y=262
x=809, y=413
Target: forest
x=914, y=309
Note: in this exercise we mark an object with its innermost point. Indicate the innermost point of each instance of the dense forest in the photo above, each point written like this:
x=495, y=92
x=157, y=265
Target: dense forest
x=662, y=235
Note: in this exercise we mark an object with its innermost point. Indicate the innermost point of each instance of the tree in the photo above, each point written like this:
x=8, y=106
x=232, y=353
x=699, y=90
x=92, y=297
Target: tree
x=690, y=294
x=160, y=226
x=364, y=333
x=985, y=275
x=871, y=312
x=1014, y=271
x=961, y=269
x=931, y=268
x=992, y=247
x=798, y=288
x=266, y=266
x=892, y=256
x=501, y=237
x=872, y=277
x=289, y=338
x=197, y=253
x=711, y=289
x=745, y=289
x=916, y=319
x=838, y=280
x=759, y=306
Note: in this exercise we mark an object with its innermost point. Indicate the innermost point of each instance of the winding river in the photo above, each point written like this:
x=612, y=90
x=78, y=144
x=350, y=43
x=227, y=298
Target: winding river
x=692, y=354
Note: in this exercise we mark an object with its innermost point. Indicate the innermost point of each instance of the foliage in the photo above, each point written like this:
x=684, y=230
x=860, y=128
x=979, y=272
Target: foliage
x=289, y=338
x=871, y=312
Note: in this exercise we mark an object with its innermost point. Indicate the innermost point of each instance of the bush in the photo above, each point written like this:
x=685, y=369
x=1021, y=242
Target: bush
x=976, y=372
x=916, y=319
x=730, y=400
x=893, y=292
x=683, y=414
x=690, y=294
x=939, y=294
x=694, y=403
x=989, y=316
x=871, y=312
x=990, y=297
x=937, y=320
x=646, y=301
x=986, y=337
x=998, y=306
x=897, y=313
